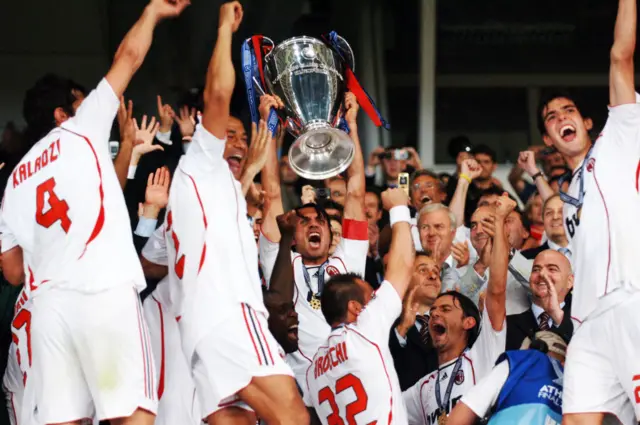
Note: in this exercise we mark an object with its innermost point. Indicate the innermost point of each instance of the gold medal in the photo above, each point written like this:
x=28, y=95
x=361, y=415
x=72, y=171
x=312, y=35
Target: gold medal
x=442, y=419
x=315, y=302
x=579, y=212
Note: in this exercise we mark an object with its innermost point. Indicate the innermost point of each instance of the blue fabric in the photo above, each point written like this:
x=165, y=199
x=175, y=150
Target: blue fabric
x=146, y=227
x=532, y=394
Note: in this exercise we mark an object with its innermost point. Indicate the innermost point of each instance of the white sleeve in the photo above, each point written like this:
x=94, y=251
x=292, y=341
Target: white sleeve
x=94, y=118
x=488, y=347
x=380, y=313
x=155, y=250
x=205, y=150
x=267, y=254
x=354, y=245
x=484, y=394
x=412, y=402
x=624, y=121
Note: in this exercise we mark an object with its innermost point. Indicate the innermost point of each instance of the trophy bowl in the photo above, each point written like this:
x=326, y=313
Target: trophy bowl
x=309, y=78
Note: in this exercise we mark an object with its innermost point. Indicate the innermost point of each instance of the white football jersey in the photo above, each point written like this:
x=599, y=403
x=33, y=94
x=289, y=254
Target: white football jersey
x=352, y=378
x=476, y=363
x=606, y=230
x=63, y=205
x=212, y=253
x=350, y=256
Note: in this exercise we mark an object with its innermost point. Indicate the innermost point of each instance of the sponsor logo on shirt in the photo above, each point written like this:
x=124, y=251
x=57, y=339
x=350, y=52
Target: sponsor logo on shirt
x=551, y=393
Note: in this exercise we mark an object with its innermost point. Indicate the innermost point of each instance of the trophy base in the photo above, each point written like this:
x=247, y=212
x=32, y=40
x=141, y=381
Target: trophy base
x=321, y=153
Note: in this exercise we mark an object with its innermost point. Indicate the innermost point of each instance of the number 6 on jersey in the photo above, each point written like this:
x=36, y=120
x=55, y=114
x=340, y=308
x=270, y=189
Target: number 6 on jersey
x=57, y=208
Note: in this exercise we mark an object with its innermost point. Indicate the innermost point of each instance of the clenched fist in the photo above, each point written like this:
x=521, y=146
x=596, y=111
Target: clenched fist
x=394, y=198
x=504, y=205
x=231, y=14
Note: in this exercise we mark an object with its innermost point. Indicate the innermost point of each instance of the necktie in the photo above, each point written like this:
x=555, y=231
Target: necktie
x=543, y=322
x=424, y=327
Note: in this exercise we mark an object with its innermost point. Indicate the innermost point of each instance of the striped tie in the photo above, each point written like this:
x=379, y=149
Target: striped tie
x=424, y=328
x=543, y=322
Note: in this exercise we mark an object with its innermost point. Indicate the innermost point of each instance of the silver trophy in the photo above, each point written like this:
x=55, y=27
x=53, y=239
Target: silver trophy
x=309, y=78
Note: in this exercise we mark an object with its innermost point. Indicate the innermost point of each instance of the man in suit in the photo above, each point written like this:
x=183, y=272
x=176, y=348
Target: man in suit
x=553, y=228
x=551, y=281
x=409, y=341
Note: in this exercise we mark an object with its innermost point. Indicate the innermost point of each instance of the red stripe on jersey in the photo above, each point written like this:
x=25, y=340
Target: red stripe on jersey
x=424, y=412
x=100, y=221
x=384, y=365
x=606, y=211
x=255, y=347
x=162, y=350
x=204, y=219
x=355, y=229
x=638, y=177
x=473, y=370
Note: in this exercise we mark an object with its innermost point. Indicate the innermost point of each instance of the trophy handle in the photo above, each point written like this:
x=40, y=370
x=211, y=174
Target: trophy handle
x=270, y=41
x=351, y=59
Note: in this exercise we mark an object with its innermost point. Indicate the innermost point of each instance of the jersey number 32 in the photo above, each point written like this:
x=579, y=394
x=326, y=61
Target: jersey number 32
x=57, y=210
x=352, y=409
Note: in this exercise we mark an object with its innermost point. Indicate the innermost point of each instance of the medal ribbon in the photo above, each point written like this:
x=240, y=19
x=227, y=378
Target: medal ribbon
x=447, y=394
x=307, y=279
x=568, y=198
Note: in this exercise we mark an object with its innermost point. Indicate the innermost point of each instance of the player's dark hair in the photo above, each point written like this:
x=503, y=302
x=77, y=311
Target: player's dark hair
x=320, y=211
x=485, y=150
x=337, y=293
x=546, y=98
x=426, y=253
x=492, y=190
x=47, y=94
x=469, y=309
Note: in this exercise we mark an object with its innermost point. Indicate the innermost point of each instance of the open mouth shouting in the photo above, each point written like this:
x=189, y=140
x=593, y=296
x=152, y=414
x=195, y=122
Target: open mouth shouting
x=235, y=163
x=425, y=200
x=314, y=239
x=437, y=329
x=292, y=331
x=568, y=132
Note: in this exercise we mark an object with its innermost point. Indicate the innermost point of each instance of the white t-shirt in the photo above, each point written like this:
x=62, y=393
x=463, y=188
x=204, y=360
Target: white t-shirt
x=352, y=374
x=604, y=234
x=350, y=257
x=212, y=253
x=484, y=394
x=63, y=205
x=476, y=363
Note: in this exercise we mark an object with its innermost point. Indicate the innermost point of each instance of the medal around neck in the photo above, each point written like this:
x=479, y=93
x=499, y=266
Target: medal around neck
x=442, y=419
x=315, y=302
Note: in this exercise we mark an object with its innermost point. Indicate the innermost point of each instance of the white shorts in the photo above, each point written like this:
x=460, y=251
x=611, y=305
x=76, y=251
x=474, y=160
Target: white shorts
x=602, y=369
x=178, y=403
x=231, y=355
x=91, y=355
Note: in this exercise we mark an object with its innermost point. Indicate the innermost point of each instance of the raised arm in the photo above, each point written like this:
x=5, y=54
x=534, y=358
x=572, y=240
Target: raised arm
x=496, y=298
x=136, y=43
x=221, y=77
x=270, y=177
x=527, y=161
x=356, y=187
x=621, y=78
x=469, y=170
x=127, y=138
x=402, y=252
x=282, y=278
x=257, y=155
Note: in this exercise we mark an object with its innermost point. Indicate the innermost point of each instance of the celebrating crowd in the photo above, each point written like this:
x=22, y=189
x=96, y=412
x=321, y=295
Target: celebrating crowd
x=233, y=291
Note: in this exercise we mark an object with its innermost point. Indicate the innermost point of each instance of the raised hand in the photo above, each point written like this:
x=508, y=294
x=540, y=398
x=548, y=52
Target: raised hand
x=414, y=158
x=231, y=14
x=460, y=252
x=352, y=107
x=471, y=168
x=125, y=122
x=257, y=155
x=550, y=302
x=504, y=205
x=394, y=198
x=145, y=135
x=166, y=114
x=374, y=156
x=187, y=122
x=156, y=196
x=267, y=102
x=527, y=161
x=168, y=8
x=287, y=222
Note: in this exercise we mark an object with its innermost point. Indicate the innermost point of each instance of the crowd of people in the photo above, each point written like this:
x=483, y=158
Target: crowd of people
x=190, y=275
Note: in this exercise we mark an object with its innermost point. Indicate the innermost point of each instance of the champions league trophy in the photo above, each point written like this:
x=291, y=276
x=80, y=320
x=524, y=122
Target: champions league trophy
x=311, y=77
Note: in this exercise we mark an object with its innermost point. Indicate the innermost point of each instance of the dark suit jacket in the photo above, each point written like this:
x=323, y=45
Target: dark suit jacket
x=523, y=325
x=414, y=360
x=532, y=253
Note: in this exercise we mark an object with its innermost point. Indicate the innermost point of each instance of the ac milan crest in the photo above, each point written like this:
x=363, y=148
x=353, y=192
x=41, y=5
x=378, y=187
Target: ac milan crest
x=332, y=271
x=459, y=378
x=591, y=164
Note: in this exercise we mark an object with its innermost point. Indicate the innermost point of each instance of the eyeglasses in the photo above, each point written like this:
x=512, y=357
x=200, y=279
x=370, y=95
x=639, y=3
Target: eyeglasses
x=425, y=185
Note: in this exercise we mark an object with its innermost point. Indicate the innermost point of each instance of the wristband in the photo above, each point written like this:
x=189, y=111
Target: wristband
x=536, y=175
x=464, y=176
x=132, y=172
x=398, y=214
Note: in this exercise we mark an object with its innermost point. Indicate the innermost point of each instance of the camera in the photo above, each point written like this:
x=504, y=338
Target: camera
x=322, y=193
x=114, y=147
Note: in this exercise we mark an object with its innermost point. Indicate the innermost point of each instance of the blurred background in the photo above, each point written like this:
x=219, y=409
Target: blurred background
x=437, y=69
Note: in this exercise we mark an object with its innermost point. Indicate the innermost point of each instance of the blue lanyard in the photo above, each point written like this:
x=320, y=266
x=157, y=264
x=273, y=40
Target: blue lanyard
x=447, y=395
x=568, y=198
x=250, y=72
x=307, y=279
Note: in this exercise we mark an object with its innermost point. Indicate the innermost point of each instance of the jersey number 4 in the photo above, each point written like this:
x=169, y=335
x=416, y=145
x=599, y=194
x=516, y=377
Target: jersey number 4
x=57, y=210
x=353, y=408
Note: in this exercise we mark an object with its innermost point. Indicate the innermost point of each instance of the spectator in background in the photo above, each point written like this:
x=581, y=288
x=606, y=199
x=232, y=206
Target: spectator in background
x=335, y=223
x=551, y=282
x=424, y=188
x=337, y=187
x=553, y=229
x=486, y=157
x=288, y=182
x=553, y=165
x=533, y=212
x=394, y=161
x=373, y=205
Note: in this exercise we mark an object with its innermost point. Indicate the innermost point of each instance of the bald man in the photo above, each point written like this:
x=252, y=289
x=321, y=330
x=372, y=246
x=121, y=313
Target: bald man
x=551, y=282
